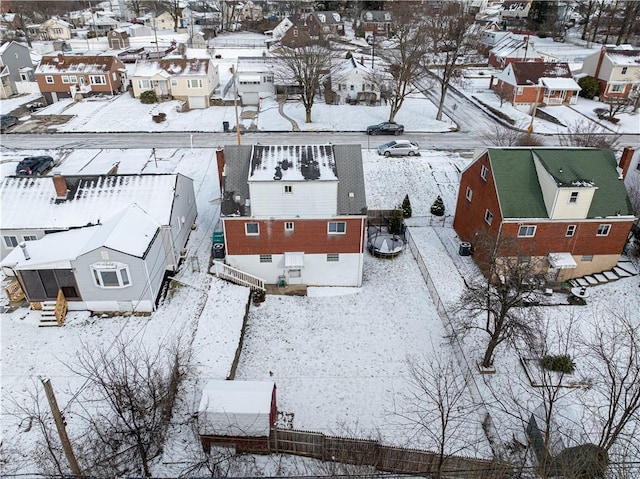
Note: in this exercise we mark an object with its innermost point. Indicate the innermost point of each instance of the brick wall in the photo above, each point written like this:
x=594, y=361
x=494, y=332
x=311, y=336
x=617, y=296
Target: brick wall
x=309, y=236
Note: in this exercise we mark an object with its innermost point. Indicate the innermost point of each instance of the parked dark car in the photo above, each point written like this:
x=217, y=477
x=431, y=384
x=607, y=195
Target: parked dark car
x=34, y=165
x=385, y=128
x=7, y=121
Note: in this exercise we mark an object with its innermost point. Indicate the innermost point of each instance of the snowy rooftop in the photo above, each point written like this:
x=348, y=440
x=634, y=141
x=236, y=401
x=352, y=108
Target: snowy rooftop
x=172, y=66
x=75, y=64
x=560, y=84
x=237, y=396
x=244, y=163
x=293, y=163
x=30, y=203
x=130, y=231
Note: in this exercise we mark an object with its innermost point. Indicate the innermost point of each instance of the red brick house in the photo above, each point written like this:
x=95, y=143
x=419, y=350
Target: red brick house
x=617, y=69
x=523, y=84
x=566, y=207
x=65, y=76
x=295, y=213
x=377, y=22
x=325, y=23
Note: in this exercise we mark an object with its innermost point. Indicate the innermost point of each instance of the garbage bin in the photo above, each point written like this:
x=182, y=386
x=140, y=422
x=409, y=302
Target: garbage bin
x=218, y=251
x=465, y=249
x=225, y=126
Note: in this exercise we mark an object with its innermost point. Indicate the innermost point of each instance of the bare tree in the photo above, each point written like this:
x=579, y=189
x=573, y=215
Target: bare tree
x=504, y=93
x=229, y=12
x=304, y=67
x=403, y=63
x=505, y=297
x=613, y=355
x=438, y=407
x=133, y=388
x=449, y=38
x=588, y=134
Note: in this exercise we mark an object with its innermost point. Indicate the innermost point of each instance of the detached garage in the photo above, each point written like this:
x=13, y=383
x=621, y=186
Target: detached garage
x=237, y=414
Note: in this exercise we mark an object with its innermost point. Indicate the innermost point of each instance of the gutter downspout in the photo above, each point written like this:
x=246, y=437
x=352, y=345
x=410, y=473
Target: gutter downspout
x=361, y=255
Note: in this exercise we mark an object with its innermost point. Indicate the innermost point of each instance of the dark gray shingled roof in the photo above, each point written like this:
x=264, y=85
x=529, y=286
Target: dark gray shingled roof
x=348, y=161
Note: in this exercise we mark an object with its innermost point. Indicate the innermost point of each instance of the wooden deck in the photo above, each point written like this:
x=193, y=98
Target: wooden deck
x=289, y=290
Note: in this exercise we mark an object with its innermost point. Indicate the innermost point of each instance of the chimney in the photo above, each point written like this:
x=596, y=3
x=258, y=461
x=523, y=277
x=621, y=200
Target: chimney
x=361, y=60
x=60, y=184
x=23, y=246
x=603, y=50
x=220, y=160
x=625, y=160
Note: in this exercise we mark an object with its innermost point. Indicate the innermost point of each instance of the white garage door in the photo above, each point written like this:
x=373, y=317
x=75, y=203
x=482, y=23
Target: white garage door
x=251, y=98
x=197, y=102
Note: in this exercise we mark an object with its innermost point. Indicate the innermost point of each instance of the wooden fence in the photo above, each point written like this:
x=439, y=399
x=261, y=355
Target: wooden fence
x=365, y=452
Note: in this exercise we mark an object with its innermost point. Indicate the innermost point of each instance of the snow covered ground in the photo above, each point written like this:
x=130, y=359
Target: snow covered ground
x=339, y=356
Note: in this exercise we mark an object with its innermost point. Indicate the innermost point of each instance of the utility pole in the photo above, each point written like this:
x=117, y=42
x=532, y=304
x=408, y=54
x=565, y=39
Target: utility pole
x=60, y=425
x=235, y=101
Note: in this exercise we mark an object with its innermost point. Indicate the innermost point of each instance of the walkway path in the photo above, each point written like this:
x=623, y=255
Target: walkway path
x=294, y=125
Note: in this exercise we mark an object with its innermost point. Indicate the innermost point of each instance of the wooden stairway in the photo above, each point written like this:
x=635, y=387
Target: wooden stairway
x=53, y=312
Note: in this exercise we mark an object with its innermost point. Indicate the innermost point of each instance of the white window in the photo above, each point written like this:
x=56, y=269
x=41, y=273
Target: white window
x=111, y=275
x=73, y=79
x=616, y=88
x=484, y=173
x=266, y=258
x=469, y=194
x=65, y=79
x=337, y=227
x=573, y=198
x=174, y=82
x=252, y=229
x=624, y=71
x=526, y=231
x=145, y=84
x=288, y=189
x=48, y=79
x=194, y=83
x=488, y=217
x=97, y=80
x=29, y=238
x=10, y=241
x=603, y=230
x=288, y=226
x=520, y=90
x=57, y=31
x=571, y=230
x=333, y=258
x=587, y=258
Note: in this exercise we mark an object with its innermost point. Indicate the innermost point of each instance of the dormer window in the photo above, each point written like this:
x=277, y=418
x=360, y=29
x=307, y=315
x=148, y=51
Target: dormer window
x=573, y=198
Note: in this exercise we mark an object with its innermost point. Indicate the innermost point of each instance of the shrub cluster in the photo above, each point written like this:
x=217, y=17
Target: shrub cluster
x=561, y=363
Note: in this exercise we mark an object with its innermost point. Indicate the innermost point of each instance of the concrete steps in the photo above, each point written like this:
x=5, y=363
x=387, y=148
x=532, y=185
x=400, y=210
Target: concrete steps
x=624, y=269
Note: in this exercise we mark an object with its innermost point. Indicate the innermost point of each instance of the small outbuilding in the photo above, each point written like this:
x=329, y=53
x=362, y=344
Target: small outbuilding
x=237, y=414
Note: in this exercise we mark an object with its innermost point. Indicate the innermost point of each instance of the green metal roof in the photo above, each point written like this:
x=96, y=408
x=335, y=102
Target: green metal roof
x=519, y=190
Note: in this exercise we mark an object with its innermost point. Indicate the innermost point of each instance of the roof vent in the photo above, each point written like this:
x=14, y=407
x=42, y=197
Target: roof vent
x=23, y=246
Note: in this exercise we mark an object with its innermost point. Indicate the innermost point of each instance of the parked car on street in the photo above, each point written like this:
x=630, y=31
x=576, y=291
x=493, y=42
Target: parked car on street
x=6, y=121
x=385, y=128
x=34, y=165
x=399, y=148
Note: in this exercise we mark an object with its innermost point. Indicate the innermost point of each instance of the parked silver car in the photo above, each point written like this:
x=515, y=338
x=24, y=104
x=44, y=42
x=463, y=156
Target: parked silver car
x=399, y=148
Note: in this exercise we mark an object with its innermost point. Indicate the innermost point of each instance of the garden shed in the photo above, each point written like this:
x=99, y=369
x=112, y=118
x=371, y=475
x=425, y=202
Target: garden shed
x=237, y=414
